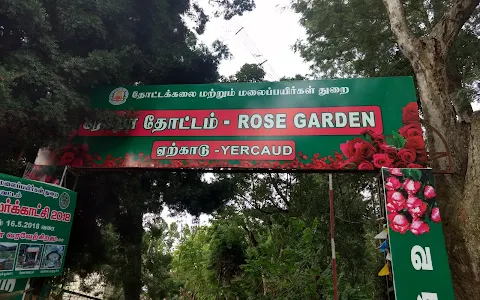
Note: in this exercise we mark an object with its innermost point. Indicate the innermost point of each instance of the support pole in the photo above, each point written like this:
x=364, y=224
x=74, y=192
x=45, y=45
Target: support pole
x=332, y=233
x=64, y=174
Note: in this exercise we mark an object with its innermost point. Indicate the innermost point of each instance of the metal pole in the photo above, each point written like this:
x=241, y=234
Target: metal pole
x=332, y=233
x=64, y=174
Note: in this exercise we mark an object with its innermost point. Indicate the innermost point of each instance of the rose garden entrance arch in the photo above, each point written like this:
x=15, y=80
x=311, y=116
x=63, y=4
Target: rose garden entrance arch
x=367, y=124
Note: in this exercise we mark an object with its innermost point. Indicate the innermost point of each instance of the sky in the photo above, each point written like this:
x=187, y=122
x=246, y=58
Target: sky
x=268, y=33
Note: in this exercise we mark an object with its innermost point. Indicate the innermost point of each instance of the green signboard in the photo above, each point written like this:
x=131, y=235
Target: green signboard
x=13, y=289
x=35, y=223
x=359, y=124
x=417, y=246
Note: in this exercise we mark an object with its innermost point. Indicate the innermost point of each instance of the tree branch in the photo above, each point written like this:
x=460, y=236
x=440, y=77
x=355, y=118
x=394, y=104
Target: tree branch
x=276, y=188
x=452, y=21
x=406, y=40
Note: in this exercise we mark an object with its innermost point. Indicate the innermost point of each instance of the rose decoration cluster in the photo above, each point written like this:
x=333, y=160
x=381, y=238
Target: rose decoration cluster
x=406, y=149
x=410, y=201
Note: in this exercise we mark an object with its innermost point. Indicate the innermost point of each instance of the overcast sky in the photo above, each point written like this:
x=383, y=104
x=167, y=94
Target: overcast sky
x=268, y=33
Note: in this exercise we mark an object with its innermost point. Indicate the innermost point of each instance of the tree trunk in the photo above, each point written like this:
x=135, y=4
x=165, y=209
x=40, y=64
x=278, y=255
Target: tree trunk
x=456, y=193
x=132, y=280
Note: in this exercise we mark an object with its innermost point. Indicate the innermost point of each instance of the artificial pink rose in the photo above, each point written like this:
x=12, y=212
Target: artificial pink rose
x=435, y=216
x=411, y=186
x=382, y=160
x=366, y=165
x=416, y=207
x=392, y=183
x=391, y=208
x=429, y=192
x=398, y=222
x=419, y=227
x=396, y=172
x=395, y=201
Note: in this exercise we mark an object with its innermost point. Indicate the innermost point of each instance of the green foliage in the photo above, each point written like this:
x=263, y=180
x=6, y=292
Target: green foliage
x=396, y=140
x=279, y=226
x=353, y=38
x=247, y=73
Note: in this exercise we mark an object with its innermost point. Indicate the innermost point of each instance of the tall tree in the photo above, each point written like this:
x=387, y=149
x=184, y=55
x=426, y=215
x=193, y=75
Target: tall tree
x=247, y=73
x=437, y=42
x=52, y=53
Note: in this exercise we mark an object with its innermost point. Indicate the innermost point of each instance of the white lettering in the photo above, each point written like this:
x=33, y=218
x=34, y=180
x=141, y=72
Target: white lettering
x=368, y=119
x=299, y=121
x=427, y=296
x=242, y=121
x=313, y=121
x=327, y=120
x=281, y=121
x=340, y=120
x=354, y=119
x=421, y=258
x=234, y=150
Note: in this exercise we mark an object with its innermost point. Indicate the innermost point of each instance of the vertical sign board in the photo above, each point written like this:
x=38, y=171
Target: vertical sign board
x=35, y=223
x=419, y=257
x=355, y=124
x=14, y=286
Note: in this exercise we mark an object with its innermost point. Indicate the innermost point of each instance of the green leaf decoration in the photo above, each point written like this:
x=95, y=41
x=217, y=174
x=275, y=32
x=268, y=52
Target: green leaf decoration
x=414, y=174
x=398, y=140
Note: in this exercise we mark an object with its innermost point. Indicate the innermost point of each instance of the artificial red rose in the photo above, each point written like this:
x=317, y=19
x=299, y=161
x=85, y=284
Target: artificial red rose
x=66, y=158
x=414, y=166
x=77, y=163
x=416, y=207
x=392, y=183
x=395, y=201
x=396, y=172
x=382, y=160
x=366, y=165
x=435, y=215
x=363, y=151
x=407, y=155
x=400, y=164
x=419, y=227
x=411, y=130
x=415, y=142
x=411, y=186
x=376, y=137
x=348, y=148
x=429, y=192
x=320, y=164
x=84, y=147
x=398, y=222
x=422, y=156
x=389, y=150
x=410, y=113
